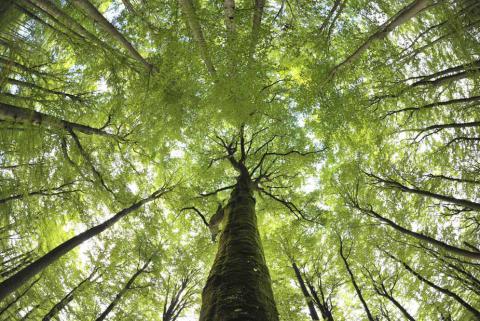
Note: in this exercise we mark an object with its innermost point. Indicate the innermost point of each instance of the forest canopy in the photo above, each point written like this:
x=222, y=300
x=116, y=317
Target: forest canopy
x=254, y=160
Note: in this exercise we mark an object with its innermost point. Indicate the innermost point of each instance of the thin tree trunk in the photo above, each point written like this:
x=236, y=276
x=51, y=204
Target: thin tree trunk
x=32, y=117
x=354, y=282
x=450, y=125
x=400, y=18
x=449, y=199
x=57, y=308
x=306, y=294
x=239, y=286
x=440, y=289
x=229, y=13
x=93, y=13
x=196, y=29
x=404, y=311
x=47, y=192
x=14, y=282
x=122, y=292
x=453, y=73
x=256, y=24
x=321, y=304
x=7, y=63
x=473, y=99
x=34, y=86
x=18, y=297
x=422, y=237
x=67, y=21
x=454, y=179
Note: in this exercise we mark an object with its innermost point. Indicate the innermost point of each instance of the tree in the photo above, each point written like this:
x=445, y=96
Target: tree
x=275, y=127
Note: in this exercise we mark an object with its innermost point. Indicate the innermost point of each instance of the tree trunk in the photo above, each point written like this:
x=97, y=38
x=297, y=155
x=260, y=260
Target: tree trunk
x=440, y=289
x=239, y=286
x=325, y=309
x=445, y=198
x=67, y=21
x=32, y=117
x=14, y=282
x=122, y=292
x=46, y=192
x=66, y=299
x=355, y=285
x=400, y=18
x=18, y=297
x=93, y=13
x=308, y=298
x=422, y=237
x=197, y=33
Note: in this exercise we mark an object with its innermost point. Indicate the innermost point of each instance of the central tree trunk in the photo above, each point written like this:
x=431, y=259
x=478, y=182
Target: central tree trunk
x=239, y=286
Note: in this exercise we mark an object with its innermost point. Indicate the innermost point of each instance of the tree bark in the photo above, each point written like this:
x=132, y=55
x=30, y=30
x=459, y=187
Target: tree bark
x=306, y=294
x=34, y=86
x=67, y=21
x=196, y=29
x=450, y=74
x=473, y=99
x=32, y=117
x=93, y=13
x=355, y=285
x=14, y=282
x=400, y=18
x=18, y=297
x=256, y=24
x=122, y=292
x=239, y=286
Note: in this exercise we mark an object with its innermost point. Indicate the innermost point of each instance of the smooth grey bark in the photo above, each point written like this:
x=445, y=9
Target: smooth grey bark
x=32, y=117
x=93, y=13
x=400, y=18
x=256, y=24
x=67, y=21
x=197, y=33
x=14, y=282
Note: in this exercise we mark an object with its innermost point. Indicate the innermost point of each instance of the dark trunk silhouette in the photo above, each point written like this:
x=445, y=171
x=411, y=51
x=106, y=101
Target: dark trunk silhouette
x=15, y=281
x=306, y=294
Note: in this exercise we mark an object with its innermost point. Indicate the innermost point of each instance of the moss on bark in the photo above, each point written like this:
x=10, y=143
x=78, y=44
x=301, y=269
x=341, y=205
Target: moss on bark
x=239, y=284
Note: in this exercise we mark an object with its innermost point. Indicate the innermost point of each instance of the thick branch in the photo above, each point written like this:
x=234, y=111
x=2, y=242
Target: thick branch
x=400, y=18
x=32, y=117
x=91, y=11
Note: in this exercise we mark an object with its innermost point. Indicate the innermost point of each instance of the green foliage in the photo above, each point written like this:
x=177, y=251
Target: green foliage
x=376, y=117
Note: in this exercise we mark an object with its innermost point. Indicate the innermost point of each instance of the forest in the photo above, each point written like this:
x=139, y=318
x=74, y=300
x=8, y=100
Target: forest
x=240, y=160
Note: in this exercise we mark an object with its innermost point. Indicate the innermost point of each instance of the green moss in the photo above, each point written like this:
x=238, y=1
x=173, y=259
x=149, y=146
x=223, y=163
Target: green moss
x=239, y=284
